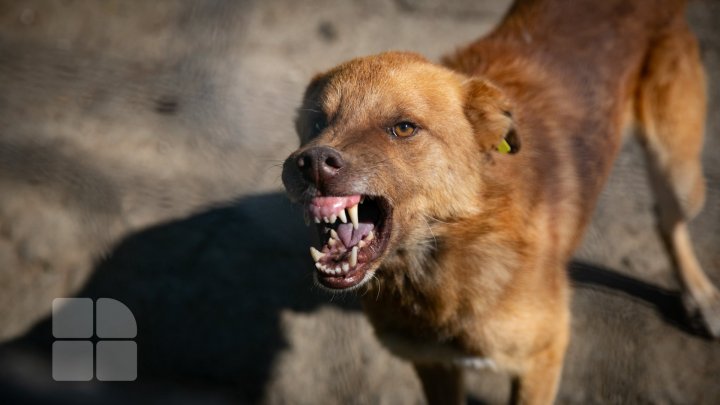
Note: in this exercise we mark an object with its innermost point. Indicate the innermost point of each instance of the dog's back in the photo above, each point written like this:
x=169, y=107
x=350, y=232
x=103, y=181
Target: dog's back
x=574, y=71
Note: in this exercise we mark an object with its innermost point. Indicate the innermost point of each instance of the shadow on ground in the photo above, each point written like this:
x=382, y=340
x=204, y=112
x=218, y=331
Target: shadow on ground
x=208, y=291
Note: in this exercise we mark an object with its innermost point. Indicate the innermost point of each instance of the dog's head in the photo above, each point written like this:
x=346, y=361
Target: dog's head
x=390, y=144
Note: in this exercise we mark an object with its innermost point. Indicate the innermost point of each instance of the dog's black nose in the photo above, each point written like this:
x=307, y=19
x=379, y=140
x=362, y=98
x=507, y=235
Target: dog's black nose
x=320, y=164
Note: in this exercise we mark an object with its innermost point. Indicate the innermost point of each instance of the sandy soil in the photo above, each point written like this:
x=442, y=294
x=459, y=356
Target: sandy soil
x=140, y=145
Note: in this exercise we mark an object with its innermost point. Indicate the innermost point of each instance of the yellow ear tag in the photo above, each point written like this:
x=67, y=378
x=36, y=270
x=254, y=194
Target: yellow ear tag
x=504, y=147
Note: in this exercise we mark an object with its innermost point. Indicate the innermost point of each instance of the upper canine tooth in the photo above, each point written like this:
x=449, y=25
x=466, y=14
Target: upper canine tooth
x=316, y=254
x=353, y=256
x=333, y=218
x=342, y=216
x=353, y=212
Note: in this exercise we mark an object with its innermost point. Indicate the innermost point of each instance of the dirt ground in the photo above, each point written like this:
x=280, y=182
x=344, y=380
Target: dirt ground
x=140, y=152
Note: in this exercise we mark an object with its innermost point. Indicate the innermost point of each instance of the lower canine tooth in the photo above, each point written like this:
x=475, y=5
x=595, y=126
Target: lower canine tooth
x=342, y=216
x=353, y=256
x=353, y=213
x=316, y=254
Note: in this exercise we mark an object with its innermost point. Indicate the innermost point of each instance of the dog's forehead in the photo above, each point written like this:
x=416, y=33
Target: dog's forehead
x=387, y=82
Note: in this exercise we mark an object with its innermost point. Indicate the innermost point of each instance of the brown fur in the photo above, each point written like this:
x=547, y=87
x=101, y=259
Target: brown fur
x=480, y=240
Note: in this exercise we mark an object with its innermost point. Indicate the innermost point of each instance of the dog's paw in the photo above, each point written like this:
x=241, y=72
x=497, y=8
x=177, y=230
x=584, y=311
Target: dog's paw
x=708, y=308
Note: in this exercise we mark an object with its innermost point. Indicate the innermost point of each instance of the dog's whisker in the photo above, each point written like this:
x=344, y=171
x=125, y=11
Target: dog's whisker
x=430, y=229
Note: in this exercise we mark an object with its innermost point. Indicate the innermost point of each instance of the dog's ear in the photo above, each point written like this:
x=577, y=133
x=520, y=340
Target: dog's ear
x=489, y=112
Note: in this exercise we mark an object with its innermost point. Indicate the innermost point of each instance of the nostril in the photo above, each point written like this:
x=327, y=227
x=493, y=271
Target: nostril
x=301, y=162
x=333, y=161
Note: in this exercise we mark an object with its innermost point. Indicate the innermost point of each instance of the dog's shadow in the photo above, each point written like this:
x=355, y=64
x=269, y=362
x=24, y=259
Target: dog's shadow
x=207, y=293
x=668, y=304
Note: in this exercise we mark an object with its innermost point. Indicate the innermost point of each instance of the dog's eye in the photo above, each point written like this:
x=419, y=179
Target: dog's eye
x=404, y=129
x=319, y=125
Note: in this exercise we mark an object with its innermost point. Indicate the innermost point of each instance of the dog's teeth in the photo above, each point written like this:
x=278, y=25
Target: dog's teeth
x=333, y=218
x=318, y=265
x=316, y=254
x=345, y=267
x=326, y=219
x=333, y=234
x=317, y=220
x=370, y=236
x=342, y=216
x=332, y=242
x=353, y=256
x=361, y=244
x=353, y=212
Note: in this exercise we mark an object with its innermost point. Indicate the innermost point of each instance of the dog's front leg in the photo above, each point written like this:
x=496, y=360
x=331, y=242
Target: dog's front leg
x=537, y=384
x=442, y=384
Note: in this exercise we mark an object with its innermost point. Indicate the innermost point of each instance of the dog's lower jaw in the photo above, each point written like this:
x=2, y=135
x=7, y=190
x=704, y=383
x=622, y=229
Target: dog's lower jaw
x=369, y=274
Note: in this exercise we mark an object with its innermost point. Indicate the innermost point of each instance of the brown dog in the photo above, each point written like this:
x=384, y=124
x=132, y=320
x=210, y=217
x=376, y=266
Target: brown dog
x=423, y=194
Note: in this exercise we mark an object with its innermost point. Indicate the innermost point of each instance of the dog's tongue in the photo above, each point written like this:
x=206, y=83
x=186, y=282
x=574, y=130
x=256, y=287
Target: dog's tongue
x=349, y=236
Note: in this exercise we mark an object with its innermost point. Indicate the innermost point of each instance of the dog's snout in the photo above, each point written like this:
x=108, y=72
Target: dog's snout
x=320, y=164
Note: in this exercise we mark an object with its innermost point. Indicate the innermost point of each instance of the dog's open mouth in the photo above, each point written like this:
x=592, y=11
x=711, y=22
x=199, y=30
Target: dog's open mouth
x=354, y=231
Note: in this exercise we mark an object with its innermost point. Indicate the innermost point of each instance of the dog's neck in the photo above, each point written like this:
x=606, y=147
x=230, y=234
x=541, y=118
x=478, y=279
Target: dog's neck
x=425, y=286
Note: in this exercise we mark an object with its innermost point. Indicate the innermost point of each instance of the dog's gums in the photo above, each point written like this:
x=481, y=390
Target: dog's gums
x=353, y=233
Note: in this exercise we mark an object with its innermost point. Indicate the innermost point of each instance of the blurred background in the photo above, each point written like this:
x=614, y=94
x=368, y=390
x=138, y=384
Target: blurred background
x=141, y=144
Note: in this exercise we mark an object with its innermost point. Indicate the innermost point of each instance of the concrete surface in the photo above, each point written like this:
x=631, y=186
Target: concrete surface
x=140, y=152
